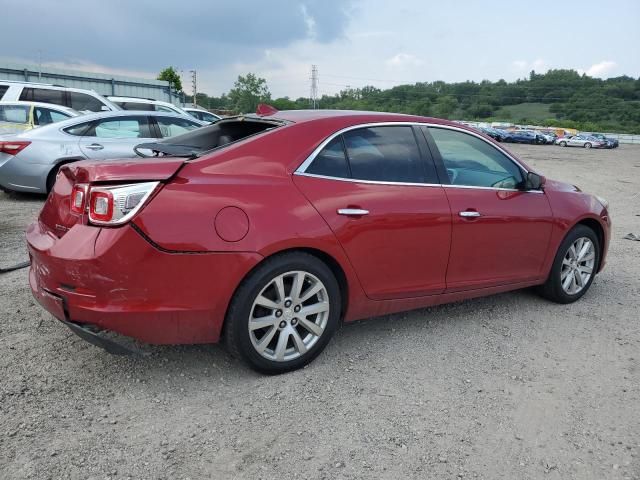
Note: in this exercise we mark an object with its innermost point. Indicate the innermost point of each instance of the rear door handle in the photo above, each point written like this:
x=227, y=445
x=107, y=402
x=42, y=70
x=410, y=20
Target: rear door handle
x=469, y=214
x=95, y=146
x=353, y=212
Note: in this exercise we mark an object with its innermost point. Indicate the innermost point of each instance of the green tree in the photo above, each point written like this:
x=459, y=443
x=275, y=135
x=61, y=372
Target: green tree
x=171, y=75
x=248, y=92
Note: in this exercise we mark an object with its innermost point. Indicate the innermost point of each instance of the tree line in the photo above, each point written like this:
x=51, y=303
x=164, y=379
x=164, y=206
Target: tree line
x=567, y=98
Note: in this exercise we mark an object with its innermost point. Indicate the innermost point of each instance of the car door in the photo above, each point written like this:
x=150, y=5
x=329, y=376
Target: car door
x=378, y=191
x=500, y=232
x=115, y=137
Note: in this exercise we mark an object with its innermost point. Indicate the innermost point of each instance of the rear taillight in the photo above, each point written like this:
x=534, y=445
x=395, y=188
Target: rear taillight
x=79, y=198
x=116, y=205
x=13, y=148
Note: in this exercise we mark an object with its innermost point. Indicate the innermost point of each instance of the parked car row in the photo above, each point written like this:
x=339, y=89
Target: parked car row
x=29, y=161
x=544, y=137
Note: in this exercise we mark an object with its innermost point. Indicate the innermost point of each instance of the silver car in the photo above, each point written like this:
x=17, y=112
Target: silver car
x=30, y=161
x=584, y=141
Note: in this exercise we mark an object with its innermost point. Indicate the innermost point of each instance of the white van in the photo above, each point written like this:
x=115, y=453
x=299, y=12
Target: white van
x=75, y=98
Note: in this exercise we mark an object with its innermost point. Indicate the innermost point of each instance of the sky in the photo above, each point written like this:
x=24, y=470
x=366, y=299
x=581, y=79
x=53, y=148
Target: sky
x=353, y=42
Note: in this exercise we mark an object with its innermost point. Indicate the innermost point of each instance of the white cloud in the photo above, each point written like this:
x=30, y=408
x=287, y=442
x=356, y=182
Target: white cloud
x=404, y=60
x=601, y=69
x=539, y=65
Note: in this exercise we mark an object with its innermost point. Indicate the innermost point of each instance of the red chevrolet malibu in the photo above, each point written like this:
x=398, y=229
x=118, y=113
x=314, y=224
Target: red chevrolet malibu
x=270, y=230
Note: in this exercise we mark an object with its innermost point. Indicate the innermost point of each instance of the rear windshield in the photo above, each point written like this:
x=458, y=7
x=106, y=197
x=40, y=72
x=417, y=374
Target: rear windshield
x=14, y=113
x=202, y=140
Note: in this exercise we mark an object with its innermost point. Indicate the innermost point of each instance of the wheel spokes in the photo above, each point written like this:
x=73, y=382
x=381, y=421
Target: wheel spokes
x=297, y=312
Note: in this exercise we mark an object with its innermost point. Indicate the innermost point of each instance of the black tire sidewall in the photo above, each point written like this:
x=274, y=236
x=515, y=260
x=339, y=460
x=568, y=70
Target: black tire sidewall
x=236, y=330
x=553, y=286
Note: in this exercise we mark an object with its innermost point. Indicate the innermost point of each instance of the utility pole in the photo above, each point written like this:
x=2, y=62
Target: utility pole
x=194, y=86
x=313, y=97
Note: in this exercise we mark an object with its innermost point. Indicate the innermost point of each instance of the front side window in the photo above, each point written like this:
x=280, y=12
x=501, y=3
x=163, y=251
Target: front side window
x=170, y=127
x=207, y=117
x=122, y=127
x=14, y=113
x=45, y=116
x=387, y=154
x=470, y=161
x=331, y=161
x=83, y=102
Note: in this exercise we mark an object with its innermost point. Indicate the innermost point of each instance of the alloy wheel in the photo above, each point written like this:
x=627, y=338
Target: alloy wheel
x=577, y=266
x=288, y=316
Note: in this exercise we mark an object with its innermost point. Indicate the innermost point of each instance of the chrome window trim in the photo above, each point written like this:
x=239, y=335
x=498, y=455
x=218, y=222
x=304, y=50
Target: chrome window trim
x=368, y=182
x=301, y=170
x=408, y=184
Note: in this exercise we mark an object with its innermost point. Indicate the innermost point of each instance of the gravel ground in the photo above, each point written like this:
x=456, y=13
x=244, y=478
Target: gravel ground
x=509, y=386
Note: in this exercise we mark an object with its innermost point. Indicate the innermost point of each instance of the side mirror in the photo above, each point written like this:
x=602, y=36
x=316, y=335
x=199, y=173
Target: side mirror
x=534, y=181
x=104, y=108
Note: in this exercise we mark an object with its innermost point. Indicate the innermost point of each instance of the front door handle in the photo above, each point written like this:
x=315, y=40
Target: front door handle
x=469, y=214
x=353, y=212
x=95, y=146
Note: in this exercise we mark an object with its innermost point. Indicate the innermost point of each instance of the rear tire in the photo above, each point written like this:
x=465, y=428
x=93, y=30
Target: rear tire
x=573, y=271
x=563, y=144
x=266, y=325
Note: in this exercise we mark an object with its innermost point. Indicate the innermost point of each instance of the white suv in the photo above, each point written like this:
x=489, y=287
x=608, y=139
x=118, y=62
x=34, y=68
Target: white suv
x=146, y=104
x=76, y=98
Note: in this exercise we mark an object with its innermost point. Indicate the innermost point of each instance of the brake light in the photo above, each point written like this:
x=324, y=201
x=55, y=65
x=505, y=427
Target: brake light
x=79, y=198
x=13, y=148
x=118, y=204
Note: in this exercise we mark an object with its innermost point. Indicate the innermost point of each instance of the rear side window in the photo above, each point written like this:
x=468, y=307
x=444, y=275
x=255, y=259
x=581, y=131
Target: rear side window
x=3, y=90
x=331, y=161
x=162, y=108
x=387, y=154
x=83, y=102
x=170, y=127
x=14, y=113
x=79, y=130
x=44, y=95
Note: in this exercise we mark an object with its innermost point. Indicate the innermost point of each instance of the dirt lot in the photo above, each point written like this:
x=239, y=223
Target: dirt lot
x=509, y=386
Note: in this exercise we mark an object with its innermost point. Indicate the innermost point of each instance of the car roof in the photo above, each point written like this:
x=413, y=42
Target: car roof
x=100, y=115
x=137, y=100
x=353, y=116
x=51, y=106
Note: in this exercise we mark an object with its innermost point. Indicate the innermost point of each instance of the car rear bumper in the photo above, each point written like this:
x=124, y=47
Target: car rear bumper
x=21, y=176
x=116, y=280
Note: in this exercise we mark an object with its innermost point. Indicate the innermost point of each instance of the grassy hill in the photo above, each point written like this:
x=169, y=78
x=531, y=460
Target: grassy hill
x=529, y=111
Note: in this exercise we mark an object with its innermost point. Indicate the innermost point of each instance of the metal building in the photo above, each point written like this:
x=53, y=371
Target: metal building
x=104, y=84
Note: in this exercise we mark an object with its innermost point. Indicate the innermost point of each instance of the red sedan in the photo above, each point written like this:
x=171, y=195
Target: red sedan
x=271, y=230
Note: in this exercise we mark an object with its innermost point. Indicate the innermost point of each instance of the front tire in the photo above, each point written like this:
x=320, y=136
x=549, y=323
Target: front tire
x=284, y=313
x=574, y=266
x=587, y=145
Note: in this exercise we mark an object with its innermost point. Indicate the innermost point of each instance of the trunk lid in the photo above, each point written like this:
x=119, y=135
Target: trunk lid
x=56, y=214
